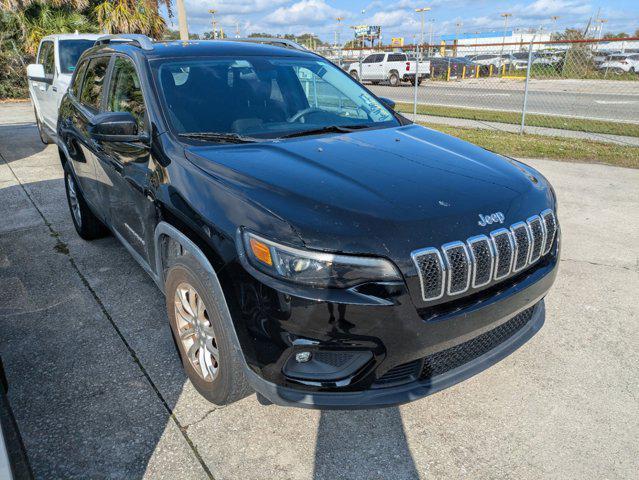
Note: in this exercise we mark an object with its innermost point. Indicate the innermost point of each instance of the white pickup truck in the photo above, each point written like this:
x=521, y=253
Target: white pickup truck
x=50, y=76
x=389, y=67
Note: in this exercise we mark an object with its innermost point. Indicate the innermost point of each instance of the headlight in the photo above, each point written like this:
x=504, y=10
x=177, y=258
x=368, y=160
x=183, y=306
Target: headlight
x=316, y=269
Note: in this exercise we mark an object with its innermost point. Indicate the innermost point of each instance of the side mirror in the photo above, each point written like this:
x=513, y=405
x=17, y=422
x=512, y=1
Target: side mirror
x=115, y=127
x=35, y=72
x=388, y=102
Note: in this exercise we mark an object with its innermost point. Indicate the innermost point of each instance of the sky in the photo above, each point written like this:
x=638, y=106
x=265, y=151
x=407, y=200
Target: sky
x=398, y=18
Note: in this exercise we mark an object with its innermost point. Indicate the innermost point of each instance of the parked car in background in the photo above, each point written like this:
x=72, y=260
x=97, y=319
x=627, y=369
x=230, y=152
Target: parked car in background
x=621, y=63
x=389, y=67
x=50, y=76
x=486, y=60
x=439, y=67
x=519, y=60
x=313, y=245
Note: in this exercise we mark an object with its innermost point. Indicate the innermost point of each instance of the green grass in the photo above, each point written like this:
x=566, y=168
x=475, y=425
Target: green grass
x=542, y=146
x=532, y=120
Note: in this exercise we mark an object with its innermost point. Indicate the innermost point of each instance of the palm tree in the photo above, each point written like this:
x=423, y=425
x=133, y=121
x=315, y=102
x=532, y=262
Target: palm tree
x=43, y=19
x=132, y=16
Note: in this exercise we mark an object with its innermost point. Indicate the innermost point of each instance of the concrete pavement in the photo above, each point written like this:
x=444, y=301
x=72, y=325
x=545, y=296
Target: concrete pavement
x=98, y=391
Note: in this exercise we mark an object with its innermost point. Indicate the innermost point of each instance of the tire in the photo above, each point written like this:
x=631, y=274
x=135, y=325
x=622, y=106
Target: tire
x=374, y=82
x=44, y=137
x=87, y=225
x=354, y=74
x=394, y=79
x=222, y=380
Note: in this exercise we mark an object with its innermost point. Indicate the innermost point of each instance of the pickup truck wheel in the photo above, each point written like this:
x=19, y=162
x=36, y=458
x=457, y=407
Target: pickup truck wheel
x=210, y=360
x=354, y=74
x=85, y=222
x=394, y=79
x=44, y=137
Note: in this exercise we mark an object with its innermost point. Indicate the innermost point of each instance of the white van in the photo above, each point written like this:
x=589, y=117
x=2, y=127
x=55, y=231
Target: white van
x=50, y=76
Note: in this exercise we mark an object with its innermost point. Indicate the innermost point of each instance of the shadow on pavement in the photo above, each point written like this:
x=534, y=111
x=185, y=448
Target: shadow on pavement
x=346, y=440
x=29, y=145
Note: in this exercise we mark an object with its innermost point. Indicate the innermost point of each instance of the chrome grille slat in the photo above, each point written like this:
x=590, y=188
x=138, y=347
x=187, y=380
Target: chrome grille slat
x=484, y=259
x=432, y=274
x=504, y=252
x=538, y=233
x=521, y=236
x=458, y=266
x=550, y=225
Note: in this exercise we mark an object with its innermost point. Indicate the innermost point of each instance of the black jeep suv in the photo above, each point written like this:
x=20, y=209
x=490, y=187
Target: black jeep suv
x=312, y=244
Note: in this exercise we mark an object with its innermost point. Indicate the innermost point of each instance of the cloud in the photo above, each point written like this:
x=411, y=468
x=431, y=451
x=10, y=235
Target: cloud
x=304, y=13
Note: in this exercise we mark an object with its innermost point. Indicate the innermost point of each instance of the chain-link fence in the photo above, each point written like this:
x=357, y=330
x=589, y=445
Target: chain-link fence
x=586, y=85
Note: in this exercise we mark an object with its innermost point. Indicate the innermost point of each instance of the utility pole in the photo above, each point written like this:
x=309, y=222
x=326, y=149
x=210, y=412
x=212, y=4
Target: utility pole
x=237, y=30
x=458, y=26
x=431, y=35
x=181, y=13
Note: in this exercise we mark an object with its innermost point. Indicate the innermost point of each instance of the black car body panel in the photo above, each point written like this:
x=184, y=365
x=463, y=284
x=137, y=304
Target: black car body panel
x=379, y=193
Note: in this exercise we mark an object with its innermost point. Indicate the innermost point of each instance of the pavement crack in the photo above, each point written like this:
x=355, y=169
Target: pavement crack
x=62, y=248
x=597, y=264
x=202, y=418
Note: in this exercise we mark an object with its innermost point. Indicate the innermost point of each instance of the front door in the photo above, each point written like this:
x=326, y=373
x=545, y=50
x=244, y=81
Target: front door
x=123, y=167
x=43, y=90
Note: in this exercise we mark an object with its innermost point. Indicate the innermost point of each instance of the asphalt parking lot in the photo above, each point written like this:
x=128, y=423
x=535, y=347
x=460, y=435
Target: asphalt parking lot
x=98, y=391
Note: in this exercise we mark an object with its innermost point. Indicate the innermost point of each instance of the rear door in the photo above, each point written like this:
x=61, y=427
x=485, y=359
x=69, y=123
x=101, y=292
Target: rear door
x=123, y=167
x=379, y=70
x=367, y=67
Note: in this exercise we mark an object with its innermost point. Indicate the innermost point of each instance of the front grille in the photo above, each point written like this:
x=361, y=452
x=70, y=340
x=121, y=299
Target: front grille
x=454, y=357
x=481, y=260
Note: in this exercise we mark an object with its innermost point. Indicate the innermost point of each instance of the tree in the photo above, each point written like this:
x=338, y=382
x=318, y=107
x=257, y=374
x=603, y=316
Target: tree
x=42, y=19
x=637, y=33
x=132, y=16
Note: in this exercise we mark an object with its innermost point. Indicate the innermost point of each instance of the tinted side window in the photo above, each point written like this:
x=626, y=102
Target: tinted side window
x=379, y=58
x=46, y=58
x=93, y=80
x=77, y=79
x=396, y=57
x=369, y=59
x=126, y=93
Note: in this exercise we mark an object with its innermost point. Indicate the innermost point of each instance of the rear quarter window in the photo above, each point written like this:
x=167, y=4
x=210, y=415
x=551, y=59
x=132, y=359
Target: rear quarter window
x=77, y=79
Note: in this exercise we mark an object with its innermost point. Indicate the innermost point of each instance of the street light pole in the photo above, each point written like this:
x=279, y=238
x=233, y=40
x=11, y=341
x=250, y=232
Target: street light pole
x=181, y=13
x=422, y=11
x=505, y=16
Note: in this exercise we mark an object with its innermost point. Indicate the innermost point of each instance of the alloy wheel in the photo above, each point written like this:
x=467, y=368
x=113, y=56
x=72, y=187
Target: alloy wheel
x=73, y=200
x=195, y=332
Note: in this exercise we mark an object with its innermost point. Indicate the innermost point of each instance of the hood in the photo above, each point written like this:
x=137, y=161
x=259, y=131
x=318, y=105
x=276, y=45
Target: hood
x=385, y=192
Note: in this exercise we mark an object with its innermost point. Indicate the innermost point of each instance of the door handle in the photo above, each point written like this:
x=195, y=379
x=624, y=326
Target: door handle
x=55, y=89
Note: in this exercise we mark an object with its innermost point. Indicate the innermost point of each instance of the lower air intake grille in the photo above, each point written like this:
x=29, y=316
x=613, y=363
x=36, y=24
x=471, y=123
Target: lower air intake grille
x=441, y=362
x=451, y=358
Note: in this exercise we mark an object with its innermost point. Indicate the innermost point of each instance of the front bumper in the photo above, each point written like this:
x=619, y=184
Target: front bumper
x=273, y=325
x=386, y=397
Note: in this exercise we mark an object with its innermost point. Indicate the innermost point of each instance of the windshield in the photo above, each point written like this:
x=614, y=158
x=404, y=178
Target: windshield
x=70, y=51
x=264, y=97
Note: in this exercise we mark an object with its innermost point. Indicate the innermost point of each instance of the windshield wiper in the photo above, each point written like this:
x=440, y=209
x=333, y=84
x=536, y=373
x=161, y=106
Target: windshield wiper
x=226, y=137
x=327, y=129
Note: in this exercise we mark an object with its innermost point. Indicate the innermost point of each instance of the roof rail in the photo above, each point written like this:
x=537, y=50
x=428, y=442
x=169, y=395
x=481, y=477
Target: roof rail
x=142, y=41
x=276, y=42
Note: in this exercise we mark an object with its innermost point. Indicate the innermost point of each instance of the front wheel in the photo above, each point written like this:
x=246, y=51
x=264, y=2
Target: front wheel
x=85, y=222
x=354, y=74
x=210, y=360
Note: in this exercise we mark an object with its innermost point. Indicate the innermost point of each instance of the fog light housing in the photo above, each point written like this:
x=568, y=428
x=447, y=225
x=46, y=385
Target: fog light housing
x=302, y=357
